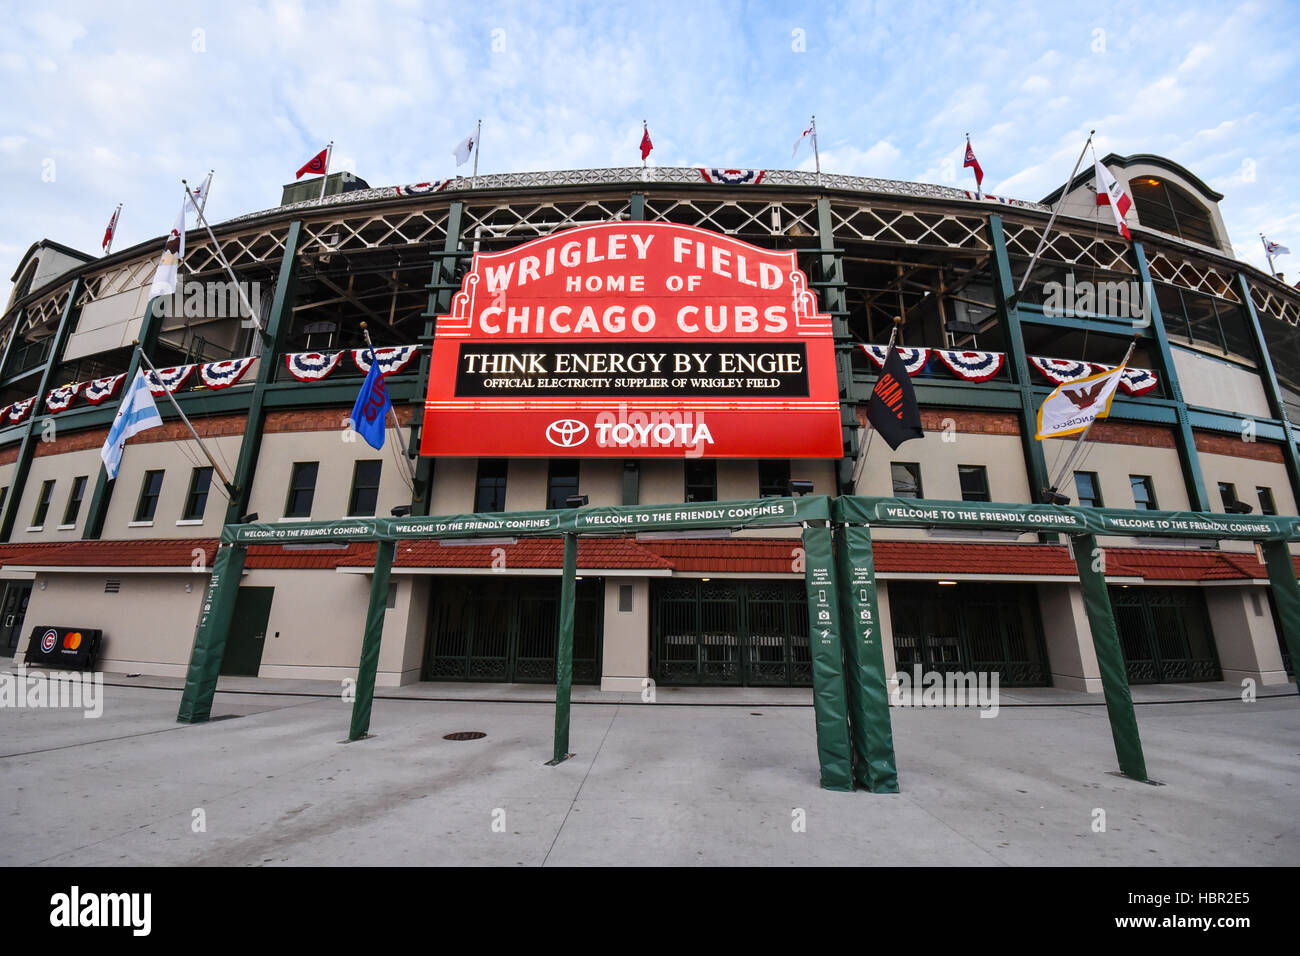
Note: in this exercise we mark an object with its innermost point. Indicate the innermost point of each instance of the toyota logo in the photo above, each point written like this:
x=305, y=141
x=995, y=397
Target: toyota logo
x=566, y=433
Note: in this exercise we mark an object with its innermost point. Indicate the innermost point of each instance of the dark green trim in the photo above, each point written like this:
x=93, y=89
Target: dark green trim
x=1188, y=456
x=1286, y=595
x=1034, y=315
x=27, y=450
x=830, y=288
x=636, y=207
x=210, y=635
x=277, y=327
x=19, y=317
x=369, y=665
x=564, y=650
x=1272, y=390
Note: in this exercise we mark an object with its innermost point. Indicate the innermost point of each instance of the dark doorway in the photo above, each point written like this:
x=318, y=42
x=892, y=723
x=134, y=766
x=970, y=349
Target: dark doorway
x=13, y=611
x=968, y=626
x=243, y=656
x=505, y=629
x=1165, y=634
x=730, y=632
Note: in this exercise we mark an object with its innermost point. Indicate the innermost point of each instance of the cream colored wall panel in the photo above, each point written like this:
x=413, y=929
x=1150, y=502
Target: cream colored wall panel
x=1211, y=383
x=178, y=460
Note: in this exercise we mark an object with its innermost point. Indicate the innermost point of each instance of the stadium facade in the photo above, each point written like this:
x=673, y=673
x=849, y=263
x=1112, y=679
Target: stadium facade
x=1201, y=425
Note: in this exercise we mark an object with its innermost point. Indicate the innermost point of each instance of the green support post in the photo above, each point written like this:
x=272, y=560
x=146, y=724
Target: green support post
x=1273, y=391
x=564, y=650
x=864, y=663
x=440, y=292
x=277, y=327
x=830, y=709
x=1286, y=595
x=27, y=448
x=835, y=303
x=210, y=635
x=1004, y=294
x=1089, y=559
x=636, y=207
x=97, y=511
x=365, y=689
x=1188, y=456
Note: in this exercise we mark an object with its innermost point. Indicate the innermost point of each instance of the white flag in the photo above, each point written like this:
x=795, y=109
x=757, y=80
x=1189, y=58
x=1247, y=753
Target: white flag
x=164, y=277
x=1275, y=248
x=799, y=142
x=463, y=149
x=136, y=413
x=1074, y=406
x=1109, y=193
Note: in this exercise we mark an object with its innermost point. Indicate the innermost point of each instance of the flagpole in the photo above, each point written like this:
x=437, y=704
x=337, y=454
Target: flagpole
x=871, y=433
x=248, y=306
x=1078, y=444
x=391, y=411
x=817, y=156
x=1064, y=192
x=478, y=146
x=108, y=251
x=217, y=468
x=329, y=151
x=1268, y=256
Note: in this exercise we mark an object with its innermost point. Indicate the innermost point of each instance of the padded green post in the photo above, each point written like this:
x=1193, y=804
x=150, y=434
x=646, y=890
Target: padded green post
x=1286, y=595
x=365, y=699
x=830, y=709
x=564, y=650
x=210, y=636
x=864, y=663
x=1110, y=658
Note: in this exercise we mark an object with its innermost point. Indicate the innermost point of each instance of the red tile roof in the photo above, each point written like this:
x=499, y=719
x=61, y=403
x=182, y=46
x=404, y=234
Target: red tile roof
x=136, y=553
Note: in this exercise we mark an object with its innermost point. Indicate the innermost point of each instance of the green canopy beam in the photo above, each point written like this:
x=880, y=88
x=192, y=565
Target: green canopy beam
x=210, y=636
x=564, y=650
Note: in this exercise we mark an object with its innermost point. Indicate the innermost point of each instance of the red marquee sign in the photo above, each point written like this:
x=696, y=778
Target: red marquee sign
x=634, y=340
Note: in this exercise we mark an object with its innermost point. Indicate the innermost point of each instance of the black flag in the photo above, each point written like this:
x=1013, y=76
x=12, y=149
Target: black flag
x=892, y=410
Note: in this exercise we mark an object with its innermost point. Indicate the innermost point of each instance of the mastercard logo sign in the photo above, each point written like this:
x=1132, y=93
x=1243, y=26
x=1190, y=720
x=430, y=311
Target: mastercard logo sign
x=72, y=640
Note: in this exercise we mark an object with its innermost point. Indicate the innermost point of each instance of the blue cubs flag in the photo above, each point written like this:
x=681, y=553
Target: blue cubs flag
x=371, y=408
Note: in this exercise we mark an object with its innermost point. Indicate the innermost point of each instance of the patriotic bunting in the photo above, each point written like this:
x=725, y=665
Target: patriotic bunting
x=733, y=177
x=224, y=374
x=311, y=366
x=1060, y=371
x=102, y=389
x=913, y=359
x=391, y=360
x=18, y=410
x=57, y=399
x=169, y=379
x=972, y=366
x=1134, y=381
x=422, y=189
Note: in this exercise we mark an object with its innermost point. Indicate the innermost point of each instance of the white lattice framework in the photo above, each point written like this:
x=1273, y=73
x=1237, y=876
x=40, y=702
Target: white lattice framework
x=1069, y=246
x=1196, y=275
x=1273, y=302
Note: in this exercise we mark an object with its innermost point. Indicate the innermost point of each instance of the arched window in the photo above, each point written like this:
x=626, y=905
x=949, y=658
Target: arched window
x=1172, y=209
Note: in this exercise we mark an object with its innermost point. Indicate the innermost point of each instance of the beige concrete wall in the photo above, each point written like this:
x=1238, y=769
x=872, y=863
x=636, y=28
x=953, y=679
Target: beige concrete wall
x=148, y=625
x=625, y=653
x=1208, y=382
x=1071, y=656
x=333, y=480
x=1244, y=635
x=453, y=486
x=63, y=469
x=1247, y=474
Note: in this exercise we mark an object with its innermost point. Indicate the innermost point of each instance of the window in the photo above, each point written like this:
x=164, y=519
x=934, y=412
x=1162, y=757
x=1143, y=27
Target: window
x=701, y=481
x=150, y=489
x=974, y=482
x=74, y=500
x=1088, y=489
x=1171, y=209
x=365, y=487
x=561, y=482
x=302, y=489
x=196, y=499
x=631, y=483
x=1266, y=505
x=907, y=479
x=1144, y=494
x=1227, y=493
x=43, y=503
x=773, y=479
x=490, y=486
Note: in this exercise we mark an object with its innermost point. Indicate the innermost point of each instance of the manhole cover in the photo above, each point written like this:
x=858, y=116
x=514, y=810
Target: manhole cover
x=464, y=735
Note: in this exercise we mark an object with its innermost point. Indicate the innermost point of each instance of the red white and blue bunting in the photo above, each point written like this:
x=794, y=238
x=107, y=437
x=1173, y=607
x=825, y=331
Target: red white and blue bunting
x=391, y=360
x=57, y=399
x=733, y=177
x=168, y=379
x=224, y=374
x=311, y=366
x=1134, y=381
x=972, y=366
x=16, y=412
x=1060, y=371
x=102, y=389
x=913, y=359
x=422, y=189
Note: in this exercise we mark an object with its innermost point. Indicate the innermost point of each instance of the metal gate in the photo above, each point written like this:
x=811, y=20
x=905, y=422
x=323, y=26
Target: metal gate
x=504, y=629
x=1165, y=634
x=730, y=632
x=969, y=627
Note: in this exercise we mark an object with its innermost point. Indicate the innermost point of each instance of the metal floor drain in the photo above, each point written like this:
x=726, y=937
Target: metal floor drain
x=464, y=735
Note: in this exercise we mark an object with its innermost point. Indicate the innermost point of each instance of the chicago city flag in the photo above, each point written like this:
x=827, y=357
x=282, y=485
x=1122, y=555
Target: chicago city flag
x=1075, y=405
x=892, y=410
x=136, y=413
x=1110, y=194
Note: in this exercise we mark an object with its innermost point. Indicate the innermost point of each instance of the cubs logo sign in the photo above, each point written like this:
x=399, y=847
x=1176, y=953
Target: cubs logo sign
x=49, y=640
x=643, y=339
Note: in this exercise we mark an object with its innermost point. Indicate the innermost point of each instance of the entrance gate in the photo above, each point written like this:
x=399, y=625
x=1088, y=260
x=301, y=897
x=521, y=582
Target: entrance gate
x=850, y=694
x=1165, y=634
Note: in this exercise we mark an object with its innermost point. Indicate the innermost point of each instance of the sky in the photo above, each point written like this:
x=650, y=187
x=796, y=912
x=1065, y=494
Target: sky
x=102, y=103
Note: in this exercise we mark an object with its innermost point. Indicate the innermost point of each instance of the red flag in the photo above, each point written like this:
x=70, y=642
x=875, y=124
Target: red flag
x=314, y=165
x=972, y=162
x=1110, y=193
x=108, y=233
x=646, y=145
